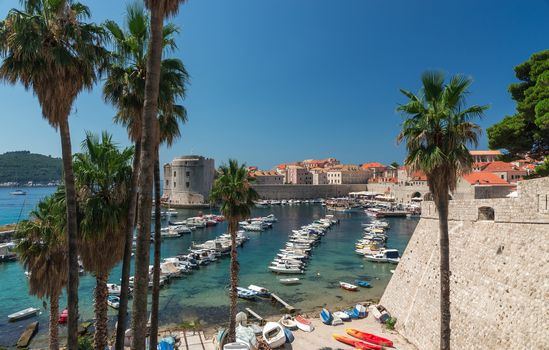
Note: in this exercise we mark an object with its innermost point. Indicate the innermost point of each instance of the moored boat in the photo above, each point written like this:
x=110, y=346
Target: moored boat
x=245, y=293
x=19, y=315
x=304, y=324
x=262, y=292
x=348, y=286
x=364, y=284
x=113, y=301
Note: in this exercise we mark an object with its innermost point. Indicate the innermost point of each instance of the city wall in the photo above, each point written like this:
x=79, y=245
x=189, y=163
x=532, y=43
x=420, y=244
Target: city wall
x=499, y=258
x=306, y=191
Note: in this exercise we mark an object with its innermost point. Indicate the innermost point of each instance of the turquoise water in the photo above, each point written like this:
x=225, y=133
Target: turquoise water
x=203, y=295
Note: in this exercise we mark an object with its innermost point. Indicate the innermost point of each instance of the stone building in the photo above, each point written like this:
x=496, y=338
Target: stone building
x=188, y=181
x=347, y=174
x=267, y=177
x=319, y=176
x=498, y=261
x=485, y=156
x=298, y=175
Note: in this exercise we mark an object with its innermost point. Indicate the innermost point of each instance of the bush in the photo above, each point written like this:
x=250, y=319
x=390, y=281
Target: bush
x=85, y=343
x=390, y=323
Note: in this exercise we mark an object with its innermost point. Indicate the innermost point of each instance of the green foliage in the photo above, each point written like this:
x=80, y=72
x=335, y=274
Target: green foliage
x=395, y=164
x=85, y=342
x=390, y=323
x=23, y=166
x=527, y=131
x=543, y=169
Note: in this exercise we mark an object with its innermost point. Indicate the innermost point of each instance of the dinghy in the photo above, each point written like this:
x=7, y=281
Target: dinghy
x=351, y=313
x=19, y=315
x=364, y=284
x=342, y=315
x=245, y=293
x=370, y=338
x=326, y=316
x=274, y=335
x=113, y=301
x=290, y=281
x=288, y=322
x=236, y=346
x=337, y=321
x=304, y=324
x=357, y=344
x=348, y=286
x=262, y=292
x=359, y=311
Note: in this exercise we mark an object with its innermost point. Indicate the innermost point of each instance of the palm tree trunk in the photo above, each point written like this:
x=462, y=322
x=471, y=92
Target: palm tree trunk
x=72, y=233
x=157, y=245
x=234, y=281
x=54, y=314
x=101, y=318
x=444, y=273
x=148, y=143
x=125, y=280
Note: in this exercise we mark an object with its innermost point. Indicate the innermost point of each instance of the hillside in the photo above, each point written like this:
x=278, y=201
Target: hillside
x=23, y=166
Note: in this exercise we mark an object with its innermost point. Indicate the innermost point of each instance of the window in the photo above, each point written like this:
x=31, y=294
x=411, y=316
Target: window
x=502, y=176
x=187, y=184
x=174, y=173
x=486, y=213
x=167, y=183
x=174, y=184
x=187, y=173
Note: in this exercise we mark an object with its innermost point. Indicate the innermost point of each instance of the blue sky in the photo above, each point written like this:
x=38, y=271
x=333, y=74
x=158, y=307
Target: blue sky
x=278, y=81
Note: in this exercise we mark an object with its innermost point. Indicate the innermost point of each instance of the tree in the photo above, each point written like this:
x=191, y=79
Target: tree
x=48, y=48
x=43, y=251
x=526, y=133
x=232, y=188
x=438, y=128
x=103, y=178
x=395, y=165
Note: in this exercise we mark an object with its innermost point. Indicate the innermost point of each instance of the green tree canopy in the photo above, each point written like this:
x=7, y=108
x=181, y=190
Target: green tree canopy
x=527, y=131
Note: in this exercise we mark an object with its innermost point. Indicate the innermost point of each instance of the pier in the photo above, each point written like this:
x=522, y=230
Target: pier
x=287, y=306
x=255, y=315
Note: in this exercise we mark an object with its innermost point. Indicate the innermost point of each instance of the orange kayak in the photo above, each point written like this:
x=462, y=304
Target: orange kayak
x=356, y=343
x=370, y=338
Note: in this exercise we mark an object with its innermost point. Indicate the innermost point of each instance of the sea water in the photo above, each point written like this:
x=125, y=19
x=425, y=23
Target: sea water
x=202, y=297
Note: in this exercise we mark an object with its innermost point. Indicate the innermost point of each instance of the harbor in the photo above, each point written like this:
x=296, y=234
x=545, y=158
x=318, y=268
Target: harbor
x=201, y=297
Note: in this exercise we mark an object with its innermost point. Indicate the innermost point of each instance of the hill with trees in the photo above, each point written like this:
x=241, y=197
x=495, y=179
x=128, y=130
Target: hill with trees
x=23, y=166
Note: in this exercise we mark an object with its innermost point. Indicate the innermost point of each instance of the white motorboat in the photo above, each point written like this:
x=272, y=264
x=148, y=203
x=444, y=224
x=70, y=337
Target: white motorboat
x=288, y=322
x=113, y=301
x=19, y=315
x=274, y=335
x=348, y=286
x=285, y=270
x=342, y=316
x=18, y=193
x=259, y=290
x=290, y=281
x=385, y=256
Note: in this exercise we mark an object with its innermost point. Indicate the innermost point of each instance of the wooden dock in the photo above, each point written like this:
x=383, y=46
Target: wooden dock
x=287, y=306
x=255, y=315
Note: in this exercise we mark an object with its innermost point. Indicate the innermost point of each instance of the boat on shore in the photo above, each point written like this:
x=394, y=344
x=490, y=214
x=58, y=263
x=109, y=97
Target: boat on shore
x=20, y=315
x=342, y=315
x=288, y=322
x=326, y=316
x=357, y=344
x=274, y=334
x=370, y=338
x=304, y=324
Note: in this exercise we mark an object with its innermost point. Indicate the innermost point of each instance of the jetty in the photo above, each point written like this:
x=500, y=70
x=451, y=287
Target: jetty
x=255, y=315
x=287, y=306
x=27, y=335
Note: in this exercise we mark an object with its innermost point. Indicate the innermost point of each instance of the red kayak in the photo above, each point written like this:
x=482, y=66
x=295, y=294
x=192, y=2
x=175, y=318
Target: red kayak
x=356, y=343
x=370, y=338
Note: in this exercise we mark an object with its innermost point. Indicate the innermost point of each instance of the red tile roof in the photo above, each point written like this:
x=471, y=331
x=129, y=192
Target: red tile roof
x=373, y=165
x=485, y=152
x=499, y=166
x=418, y=176
x=484, y=178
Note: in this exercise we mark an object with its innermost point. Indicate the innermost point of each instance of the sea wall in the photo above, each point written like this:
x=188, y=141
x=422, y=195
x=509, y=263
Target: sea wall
x=289, y=191
x=499, y=258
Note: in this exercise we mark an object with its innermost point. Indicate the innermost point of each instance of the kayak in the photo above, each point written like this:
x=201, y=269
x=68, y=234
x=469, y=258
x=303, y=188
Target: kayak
x=357, y=344
x=304, y=324
x=371, y=338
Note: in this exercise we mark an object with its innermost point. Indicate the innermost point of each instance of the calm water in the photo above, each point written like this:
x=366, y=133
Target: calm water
x=203, y=295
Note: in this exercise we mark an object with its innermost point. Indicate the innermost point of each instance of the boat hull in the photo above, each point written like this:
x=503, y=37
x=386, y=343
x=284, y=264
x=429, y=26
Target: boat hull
x=356, y=343
x=371, y=338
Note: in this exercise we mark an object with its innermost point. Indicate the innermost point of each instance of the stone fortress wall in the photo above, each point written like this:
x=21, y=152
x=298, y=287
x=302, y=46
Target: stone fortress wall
x=288, y=191
x=499, y=258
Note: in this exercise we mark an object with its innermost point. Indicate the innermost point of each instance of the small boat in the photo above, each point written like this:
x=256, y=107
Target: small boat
x=364, y=284
x=274, y=334
x=288, y=322
x=113, y=301
x=342, y=315
x=19, y=315
x=289, y=335
x=357, y=344
x=370, y=338
x=113, y=289
x=380, y=315
x=245, y=293
x=236, y=346
x=18, y=193
x=63, y=317
x=337, y=321
x=326, y=316
x=351, y=313
x=285, y=269
x=262, y=292
x=290, y=281
x=359, y=311
x=348, y=286
x=304, y=324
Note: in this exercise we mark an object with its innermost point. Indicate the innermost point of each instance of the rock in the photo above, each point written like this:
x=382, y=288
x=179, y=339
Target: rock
x=27, y=335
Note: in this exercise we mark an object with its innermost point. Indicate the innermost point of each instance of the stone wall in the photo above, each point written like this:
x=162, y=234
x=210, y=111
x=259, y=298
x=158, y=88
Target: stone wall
x=306, y=191
x=499, y=289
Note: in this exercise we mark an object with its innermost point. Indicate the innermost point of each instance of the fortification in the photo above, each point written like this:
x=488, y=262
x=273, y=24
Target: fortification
x=289, y=191
x=499, y=258
x=188, y=181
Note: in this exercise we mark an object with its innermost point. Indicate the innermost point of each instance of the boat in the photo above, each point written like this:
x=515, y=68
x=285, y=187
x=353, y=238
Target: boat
x=359, y=311
x=245, y=293
x=337, y=321
x=19, y=315
x=63, y=317
x=348, y=286
x=357, y=344
x=387, y=255
x=114, y=289
x=285, y=270
x=262, y=292
x=364, y=284
x=236, y=346
x=274, y=334
x=304, y=324
x=380, y=315
x=18, y=193
x=342, y=315
x=288, y=322
x=326, y=316
x=289, y=335
x=370, y=338
x=113, y=301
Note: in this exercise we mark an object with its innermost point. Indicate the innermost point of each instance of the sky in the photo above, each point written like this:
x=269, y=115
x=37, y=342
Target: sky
x=280, y=81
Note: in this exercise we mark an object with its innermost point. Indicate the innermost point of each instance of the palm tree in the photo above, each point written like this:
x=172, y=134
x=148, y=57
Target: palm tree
x=149, y=142
x=232, y=188
x=125, y=89
x=437, y=132
x=103, y=178
x=43, y=252
x=48, y=48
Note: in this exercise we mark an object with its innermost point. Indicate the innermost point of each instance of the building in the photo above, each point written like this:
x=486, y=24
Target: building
x=347, y=174
x=267, y=177
x=506, y=171
x=485, y=156
x=188, y=181
x=298, y=175
x=375, y=169
x=319, y=176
